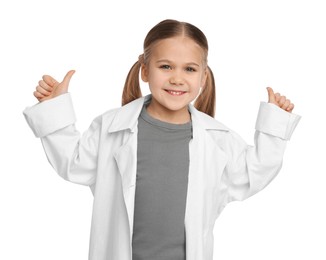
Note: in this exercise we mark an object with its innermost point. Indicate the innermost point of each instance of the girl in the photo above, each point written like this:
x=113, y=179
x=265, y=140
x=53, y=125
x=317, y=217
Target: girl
x=161, y=169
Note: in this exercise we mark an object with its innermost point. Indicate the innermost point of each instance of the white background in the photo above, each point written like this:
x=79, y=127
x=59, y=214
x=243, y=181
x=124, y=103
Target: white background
x=253, y=44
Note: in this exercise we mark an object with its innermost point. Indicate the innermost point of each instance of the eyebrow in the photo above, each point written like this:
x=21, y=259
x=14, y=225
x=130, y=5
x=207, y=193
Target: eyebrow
x=168, y=61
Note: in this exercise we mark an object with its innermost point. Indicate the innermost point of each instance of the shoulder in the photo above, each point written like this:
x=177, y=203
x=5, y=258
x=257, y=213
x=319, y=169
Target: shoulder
x=205, y=121
x=125, y=110
x=124, y=117
x=110, y=114
x=226, y=138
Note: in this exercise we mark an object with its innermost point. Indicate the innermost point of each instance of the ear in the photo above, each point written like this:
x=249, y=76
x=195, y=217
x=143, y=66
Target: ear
x=204, y=77
x=144, y=72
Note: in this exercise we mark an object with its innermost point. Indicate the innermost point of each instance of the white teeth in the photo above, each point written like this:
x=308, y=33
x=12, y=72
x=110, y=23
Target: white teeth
x=175, y=92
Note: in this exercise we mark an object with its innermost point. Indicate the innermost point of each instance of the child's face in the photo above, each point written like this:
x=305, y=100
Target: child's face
x=175, y=73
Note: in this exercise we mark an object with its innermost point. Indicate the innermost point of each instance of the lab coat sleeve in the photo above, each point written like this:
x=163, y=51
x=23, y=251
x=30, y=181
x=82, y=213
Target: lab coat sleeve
x=251, y=168
x=72, y=155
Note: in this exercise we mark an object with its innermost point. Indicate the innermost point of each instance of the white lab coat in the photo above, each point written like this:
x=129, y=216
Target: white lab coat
x=223, y=168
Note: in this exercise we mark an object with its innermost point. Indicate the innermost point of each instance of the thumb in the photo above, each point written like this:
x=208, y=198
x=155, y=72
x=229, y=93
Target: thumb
x=271, y=95
x=66, y=80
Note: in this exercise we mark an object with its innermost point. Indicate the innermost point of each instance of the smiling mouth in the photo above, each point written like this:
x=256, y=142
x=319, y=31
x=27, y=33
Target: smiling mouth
x=175, y=93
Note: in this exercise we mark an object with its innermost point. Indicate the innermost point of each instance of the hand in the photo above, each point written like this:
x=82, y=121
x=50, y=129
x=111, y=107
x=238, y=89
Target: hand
x=279, y=100
x=49, y=88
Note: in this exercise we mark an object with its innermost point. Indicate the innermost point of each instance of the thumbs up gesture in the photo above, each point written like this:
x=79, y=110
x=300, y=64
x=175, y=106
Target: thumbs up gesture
x=48, y=87
x=280, y=101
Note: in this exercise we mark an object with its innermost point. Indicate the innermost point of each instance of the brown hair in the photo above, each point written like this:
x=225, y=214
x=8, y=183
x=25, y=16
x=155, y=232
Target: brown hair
x=205, y=101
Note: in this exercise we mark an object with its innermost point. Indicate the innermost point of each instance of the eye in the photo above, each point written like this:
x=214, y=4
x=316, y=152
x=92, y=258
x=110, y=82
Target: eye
x=165, y=66
x=190, y=69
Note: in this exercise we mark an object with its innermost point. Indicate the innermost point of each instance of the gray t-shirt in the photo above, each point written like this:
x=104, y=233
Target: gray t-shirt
x=161, y=189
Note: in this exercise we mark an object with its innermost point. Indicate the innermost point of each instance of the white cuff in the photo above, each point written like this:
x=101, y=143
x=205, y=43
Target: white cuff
x=276, y=121
x=50, y=115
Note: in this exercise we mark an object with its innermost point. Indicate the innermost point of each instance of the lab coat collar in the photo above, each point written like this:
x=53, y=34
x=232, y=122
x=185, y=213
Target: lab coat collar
x=127, y=116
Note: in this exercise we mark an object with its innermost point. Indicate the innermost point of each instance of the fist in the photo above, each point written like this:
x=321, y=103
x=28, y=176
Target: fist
x=48, y=87
x=280, y=101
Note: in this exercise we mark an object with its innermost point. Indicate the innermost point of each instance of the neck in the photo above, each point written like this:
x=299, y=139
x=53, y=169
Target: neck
x=161, y=113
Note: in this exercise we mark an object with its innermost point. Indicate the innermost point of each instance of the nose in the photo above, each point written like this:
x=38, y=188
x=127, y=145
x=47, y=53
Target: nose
x=176, y=78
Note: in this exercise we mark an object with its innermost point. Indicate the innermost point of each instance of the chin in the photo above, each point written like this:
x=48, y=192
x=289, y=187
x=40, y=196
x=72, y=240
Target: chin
x=176, y=107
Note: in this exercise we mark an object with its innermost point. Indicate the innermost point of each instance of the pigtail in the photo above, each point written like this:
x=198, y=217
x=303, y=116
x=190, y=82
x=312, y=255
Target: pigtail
x=131, y=90
x=205, y=102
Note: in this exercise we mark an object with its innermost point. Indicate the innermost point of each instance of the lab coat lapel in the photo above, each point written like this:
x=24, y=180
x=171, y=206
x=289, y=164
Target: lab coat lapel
x=126, y=159
x=126, y=123
x=207, y=163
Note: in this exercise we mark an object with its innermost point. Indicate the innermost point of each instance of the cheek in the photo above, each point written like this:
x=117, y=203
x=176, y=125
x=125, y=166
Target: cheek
x=157, y=77
x=200, y=82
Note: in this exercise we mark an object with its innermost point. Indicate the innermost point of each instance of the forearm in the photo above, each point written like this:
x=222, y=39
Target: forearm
x=251, y=168
x=72, y=156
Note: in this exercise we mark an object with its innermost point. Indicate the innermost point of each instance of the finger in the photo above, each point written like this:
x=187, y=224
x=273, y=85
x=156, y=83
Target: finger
x=281, y=101
x=50, y=81
x=68, y=76
x=277, y=97
x=43, y=91
x=45, y=86
x=66, y=80
x=290, y=107
x=271, y=95
x=286, y=104
x=38, y=94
